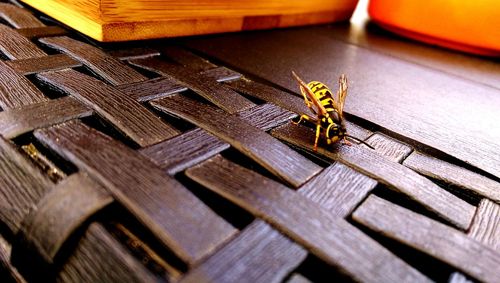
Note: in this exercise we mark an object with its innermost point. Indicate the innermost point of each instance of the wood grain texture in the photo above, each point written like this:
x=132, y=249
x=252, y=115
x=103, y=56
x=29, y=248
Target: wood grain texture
x=393, y=149
x=16, y=90
x=59, y=213
x=37, y=32
x=392, y=174
x=19, y=17
x=7, y=271
x=214, y=92
x=431, y=237
x=258, y=254
x=100, y=257
x=187, y=58
x=15, y=122
x=330, y=238
x=185, y=150
x=425, y=106
x=15, y=46
x=276, y=157
x=128, y=115
x=22, y=186
x=449, y=173
x=107, y=67
x=339, y=189
x=49, y=63
x=171, y=212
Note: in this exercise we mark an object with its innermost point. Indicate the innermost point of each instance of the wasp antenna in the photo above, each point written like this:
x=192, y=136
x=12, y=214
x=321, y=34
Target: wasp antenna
x=361, y=141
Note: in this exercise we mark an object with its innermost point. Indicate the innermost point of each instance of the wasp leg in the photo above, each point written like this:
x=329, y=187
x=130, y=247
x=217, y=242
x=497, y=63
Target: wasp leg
x=306, y=118
x=318, y=132
x=346, y=141
x=307, y=101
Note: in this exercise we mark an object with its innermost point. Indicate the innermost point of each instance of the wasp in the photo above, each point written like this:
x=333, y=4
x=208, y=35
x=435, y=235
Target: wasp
x=329, y=111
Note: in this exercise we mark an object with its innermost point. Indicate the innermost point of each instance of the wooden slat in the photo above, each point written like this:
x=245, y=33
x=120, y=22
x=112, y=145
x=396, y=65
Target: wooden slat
x=192, y=147
x=133, y=53
x=258, y=254
x=423, y=105
x=7, y=271
x=463, y=178
x=37, y=32
x=18, y=17
x=251, y=141
x=18, y=121
x=186, y=58
x=48, y=63
x=430, y=237
x=21, y=186
x=107, y=67
x=16, y=46
x=394, y=150
x=170, y=211
x=216, y=93
x=339, y=189
x=128, y=115
x=16, y=90
x=59, y=213
x=330, y=238
x=101, y=258
x=392, y=174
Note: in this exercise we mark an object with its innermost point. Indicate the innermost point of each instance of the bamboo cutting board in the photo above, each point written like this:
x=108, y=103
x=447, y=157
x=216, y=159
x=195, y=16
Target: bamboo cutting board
x=121, y=20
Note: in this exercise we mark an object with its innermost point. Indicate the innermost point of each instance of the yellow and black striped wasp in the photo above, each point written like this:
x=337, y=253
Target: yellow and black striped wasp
x=329, y=111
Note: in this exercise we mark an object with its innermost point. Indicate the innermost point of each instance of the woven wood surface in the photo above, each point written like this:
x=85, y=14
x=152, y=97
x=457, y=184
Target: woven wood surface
x=133, y=164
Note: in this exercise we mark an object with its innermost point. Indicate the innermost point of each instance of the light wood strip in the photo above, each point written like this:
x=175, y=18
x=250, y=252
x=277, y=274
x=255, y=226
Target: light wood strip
x=128, y=115
x=107, y=67
x=430, y=237
x=215, y=92
x=249, y=140
x=258, y=254
x=173, y=214
x=456, y=175
x=392, y=174
x=183, y=151
x=330, y=238
x=394, y=150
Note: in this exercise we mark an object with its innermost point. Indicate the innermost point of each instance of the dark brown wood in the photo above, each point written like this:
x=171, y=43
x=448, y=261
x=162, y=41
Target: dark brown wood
x=107, y=67
x=133, y=53
x=422, y=105
x=18, y=17
x=392, y=174
x=216, y=93
x=37, y=32
x=49, y=63
x=16, y=46
x=128, y=115
x=18, y=121
x=176, y=154
x=16, y=90
x=431, y=237
x=172, y=213
x=187, y=58
x=447, y=172
x=258, y=254
x=22, y=186
x=60, y=212
x=339, y=189
x=99, y=257
x=393, y=149
x=276, y=157
x=330, y=238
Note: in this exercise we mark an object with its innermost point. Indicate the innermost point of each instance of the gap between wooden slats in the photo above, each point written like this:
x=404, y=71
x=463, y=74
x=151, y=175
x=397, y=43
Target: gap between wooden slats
x=107, y=67
x=128, y=115
x=392, y=174
x=173, y=214
x=330, y=238
x=447, y=172
x=430, y=237
x=249, y=140
x=217, y=93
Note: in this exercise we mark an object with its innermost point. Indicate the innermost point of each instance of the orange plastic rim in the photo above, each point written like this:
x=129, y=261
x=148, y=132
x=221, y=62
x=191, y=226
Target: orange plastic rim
x=470, y=26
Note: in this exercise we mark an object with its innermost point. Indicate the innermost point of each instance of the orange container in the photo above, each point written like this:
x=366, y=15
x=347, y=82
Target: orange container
x=470, y=26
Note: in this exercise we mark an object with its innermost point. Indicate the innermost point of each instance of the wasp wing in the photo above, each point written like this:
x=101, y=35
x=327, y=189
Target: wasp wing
x=308, y=93
x=342, y=94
